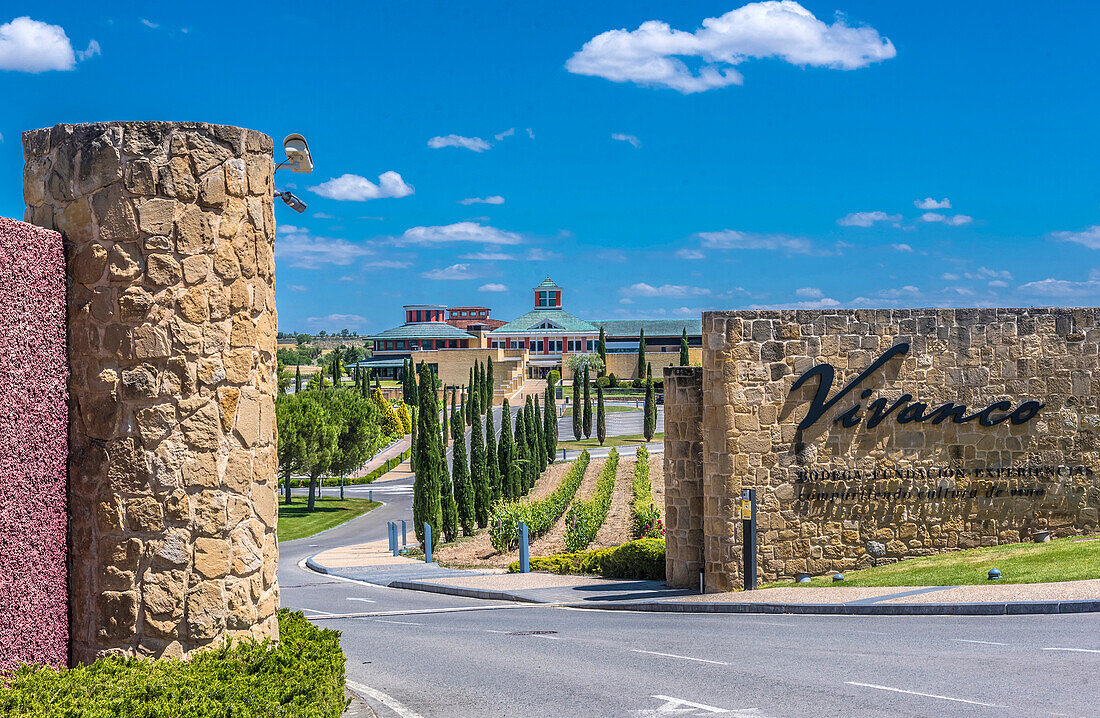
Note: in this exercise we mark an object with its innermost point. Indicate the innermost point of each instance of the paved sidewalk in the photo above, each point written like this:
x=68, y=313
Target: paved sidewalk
x=373, y=563
x=392, y=451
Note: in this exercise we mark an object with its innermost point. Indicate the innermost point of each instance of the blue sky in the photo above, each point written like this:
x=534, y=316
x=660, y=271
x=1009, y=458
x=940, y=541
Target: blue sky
x=772, y=156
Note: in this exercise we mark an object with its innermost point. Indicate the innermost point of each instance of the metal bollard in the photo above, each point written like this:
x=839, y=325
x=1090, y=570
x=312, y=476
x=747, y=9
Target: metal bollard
x=370, y=495
x=403, y=527
x=563, y=454
x=427, y=542
x=393, y=537
x=524, y=559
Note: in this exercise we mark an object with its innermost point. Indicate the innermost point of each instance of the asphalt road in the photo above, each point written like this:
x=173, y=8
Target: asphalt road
x=440, y=656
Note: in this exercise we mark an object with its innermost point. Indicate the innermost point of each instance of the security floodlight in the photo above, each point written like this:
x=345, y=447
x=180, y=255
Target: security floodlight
x=291, y=201
x=298, y=158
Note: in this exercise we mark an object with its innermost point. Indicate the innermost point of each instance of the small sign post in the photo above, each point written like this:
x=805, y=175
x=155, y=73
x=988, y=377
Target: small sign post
x=404, y=527
x=393, y=537
x=427, y=542
x=748, y=532
x=524, y=558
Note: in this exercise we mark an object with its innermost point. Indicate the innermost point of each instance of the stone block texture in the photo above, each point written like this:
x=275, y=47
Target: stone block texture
x=974, y=357
x=34, y=612
x=169, y=231
x=683, y=475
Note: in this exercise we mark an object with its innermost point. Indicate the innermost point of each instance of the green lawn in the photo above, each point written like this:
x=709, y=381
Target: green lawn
x=608, y=408
x=628, y=440
x=1068, y=559
x=295, y=522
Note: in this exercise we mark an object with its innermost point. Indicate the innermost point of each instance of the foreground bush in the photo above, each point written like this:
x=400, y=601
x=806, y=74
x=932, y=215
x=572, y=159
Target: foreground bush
x=645, y=518
x=641, y=559
x=586, y=517
x=301, y=677
x=539, y=515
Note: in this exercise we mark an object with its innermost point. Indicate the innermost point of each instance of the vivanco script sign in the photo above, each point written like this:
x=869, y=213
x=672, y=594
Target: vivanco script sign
x=924, y=430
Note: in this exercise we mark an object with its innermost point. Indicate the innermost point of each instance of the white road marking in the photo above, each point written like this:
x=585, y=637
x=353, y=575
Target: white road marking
x=675, y=705
x=685, y=658
x=390, y=702
x=489, y=630
x=414, y=611
x=399, y=623
x=1074, y=650
x=364, y=600
x=984, y=643
x=924, y=695
x=314, y=610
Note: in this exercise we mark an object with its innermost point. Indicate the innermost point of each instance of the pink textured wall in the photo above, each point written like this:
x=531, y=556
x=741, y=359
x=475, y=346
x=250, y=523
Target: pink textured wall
x=34, y=616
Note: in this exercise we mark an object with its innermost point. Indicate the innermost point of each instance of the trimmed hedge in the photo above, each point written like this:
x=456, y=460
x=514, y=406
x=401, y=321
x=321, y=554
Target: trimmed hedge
x=585, y=517
x=642, y=559
x=539, y=515
x=300, y=677
x=368, y=479
x=645, y=518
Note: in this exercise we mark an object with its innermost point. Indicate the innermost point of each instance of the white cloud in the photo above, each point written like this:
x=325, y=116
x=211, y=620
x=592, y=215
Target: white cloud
x=353, y=188
x=1090, y=236
x=341, y=320
x=493, y=199
x=929, y=203
x=1064, y=288
x=626, y=300
x=537, y=254
x=953, y=220
x=961, y=291
x=459, y=232
x=150, y=23
x=322, y=215
x=489, y=257
x=92, y=51
x=823, y=303
x=297, y=247
x=896, y=292
x=987, y=273
x=387, y=264
x=28, y=45
x=733, y=239
x=455, y=271
x=809, y=293
x=902, y=247
x=530, y=133
x=949, y=276
x=626, y=138
x=1, y=137
x=653, y=54
x=998, y=283
x=501, y=135
x=690, y=254
x=866, y=219
x=641, y=289
x=470, y=143
x=491, y=287
x=297, y=288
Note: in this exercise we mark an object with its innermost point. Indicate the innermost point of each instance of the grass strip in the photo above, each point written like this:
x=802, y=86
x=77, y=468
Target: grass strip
x=295, y=522
x=645, y=518
x=585, y=517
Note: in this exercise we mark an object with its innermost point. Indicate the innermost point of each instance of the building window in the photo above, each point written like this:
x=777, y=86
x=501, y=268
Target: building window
x=400, y=344
x=554, y=346
x=548, y=298
x=516, y=344
x=591, y=345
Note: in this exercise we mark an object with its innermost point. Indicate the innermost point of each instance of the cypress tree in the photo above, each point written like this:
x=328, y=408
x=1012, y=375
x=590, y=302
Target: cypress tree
x=684, y=348
x=601, y=432
x=490, y=387
x=449, y=506
x=458, y=428
x=467, y=405
x=464, y=487
x=491, y=464
x=479, y=476
x=520, y=463
x=475, y=405
x=587, y=407
x=601, y=349
x=506, y=454
x=550, y=424
x=541, y=433
x=298, y=379
x=648, y=424
x=577, y=412
x=446, y=430
x=641, y=354
x=532, y=442
x=412, y=443
x=427, y=486
x=364, y=390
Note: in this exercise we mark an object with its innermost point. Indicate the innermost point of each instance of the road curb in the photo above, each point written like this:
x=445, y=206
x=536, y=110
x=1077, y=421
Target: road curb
x=1014, y=608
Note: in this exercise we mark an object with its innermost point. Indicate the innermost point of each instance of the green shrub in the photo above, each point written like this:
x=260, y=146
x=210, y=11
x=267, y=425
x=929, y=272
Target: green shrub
x=300, y=677
x=645, y=518
x=612, y=380
x=585, y=517
x=640, y=559
x=358, y=481
x=539, y=515
x=602, y=382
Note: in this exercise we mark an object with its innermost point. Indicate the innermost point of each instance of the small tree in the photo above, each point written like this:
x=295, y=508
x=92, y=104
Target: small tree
x=587, y=407
x=578, y=413
x=446, y=417
x=684, y=348
x=550, y=424
x=641, y=354
x=601, y=431
x=506, y=456
x=298, y=379
x=648, y=423
x=521, y=460
x=479, y=476
x=490, y=387
x=429, y=466
x=464, y=487
x=601, y=350
x=540, y=431
x=491, y=465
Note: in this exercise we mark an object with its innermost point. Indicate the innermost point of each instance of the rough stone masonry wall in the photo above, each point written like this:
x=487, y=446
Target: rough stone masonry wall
x=683, y=475
x=34, y=612
x=966, y=356
x=169, y=233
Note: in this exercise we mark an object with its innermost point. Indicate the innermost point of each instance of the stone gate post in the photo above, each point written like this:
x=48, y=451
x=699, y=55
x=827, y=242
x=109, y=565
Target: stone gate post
x=169, y=233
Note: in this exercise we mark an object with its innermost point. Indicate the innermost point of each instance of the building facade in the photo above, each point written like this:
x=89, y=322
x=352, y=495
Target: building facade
x=425, y=328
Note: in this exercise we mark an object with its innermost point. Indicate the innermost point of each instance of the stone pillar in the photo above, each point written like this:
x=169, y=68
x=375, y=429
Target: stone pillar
x=169, y=232
x=683, y=475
